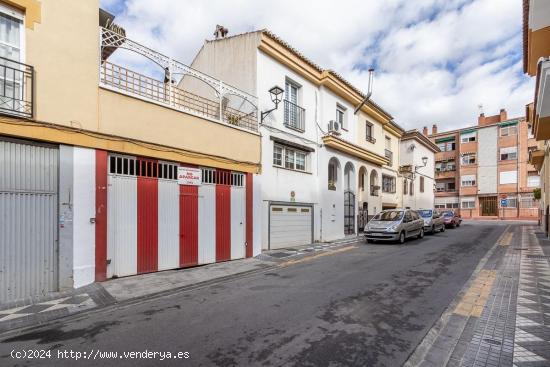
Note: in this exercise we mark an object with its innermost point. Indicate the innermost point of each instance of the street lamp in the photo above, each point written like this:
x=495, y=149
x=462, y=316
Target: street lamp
x=276, y=94
x=424, y=161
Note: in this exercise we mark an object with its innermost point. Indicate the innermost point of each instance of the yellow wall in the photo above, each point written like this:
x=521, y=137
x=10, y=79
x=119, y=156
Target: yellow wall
x=63, y=47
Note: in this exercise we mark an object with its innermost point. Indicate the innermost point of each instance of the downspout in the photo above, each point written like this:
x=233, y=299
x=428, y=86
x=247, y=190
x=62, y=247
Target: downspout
x=367, y=97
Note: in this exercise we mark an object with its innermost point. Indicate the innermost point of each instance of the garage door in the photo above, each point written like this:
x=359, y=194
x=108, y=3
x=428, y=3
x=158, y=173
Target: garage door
x=290, y=225
x=28, y=219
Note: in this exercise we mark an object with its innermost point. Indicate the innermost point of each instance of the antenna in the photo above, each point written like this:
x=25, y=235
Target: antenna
x=480, y=108
x=371, y=80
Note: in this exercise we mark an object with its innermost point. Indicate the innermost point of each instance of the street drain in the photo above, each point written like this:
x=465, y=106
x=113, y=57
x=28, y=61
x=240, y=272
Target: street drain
x=537, y=257
x=492, y=341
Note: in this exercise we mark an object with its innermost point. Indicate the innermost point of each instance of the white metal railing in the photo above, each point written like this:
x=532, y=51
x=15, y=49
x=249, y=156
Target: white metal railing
x=196, y=93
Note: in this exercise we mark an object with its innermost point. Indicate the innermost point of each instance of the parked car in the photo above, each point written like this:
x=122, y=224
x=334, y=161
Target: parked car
x=394, y=225
x=433, y=221
x=451, y=219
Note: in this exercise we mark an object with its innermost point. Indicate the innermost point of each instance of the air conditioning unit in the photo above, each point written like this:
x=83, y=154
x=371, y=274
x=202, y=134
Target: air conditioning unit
x=334, y=127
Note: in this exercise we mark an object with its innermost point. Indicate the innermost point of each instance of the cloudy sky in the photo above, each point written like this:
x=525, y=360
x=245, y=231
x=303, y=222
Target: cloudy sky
x=436, y=61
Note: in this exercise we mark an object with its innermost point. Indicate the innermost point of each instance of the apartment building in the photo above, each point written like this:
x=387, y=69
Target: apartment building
x=329, y=161
x=106, y=170
x=536, y=63
x=483, y=170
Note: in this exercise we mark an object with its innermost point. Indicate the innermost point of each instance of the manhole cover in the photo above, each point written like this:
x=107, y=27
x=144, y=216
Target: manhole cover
x=537, y=257
x=280, y=255
x=492, y=341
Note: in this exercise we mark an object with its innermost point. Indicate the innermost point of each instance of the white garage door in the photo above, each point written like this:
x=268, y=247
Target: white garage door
x=290, y=226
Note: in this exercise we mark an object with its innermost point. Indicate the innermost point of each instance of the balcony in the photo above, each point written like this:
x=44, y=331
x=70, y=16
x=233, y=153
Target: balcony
x=389, y=154
x=183, y=88
x=370, y=139
x=294, y=116
x=16, y=88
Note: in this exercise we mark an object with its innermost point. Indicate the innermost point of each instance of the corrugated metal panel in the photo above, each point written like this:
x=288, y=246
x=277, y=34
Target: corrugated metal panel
x=237, y=222
x=122, y=226
x=147, y=224
x=28, y=219
x=249, y=215
x=223, y=222
x=168, y=224
x=207, y=224
x=189, y=225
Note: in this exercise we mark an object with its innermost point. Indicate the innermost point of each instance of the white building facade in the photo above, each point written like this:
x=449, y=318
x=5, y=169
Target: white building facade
x=322, y=162
x=417, y=163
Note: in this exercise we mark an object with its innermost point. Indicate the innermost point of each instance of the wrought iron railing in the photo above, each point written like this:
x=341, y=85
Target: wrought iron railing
x=195, y=92
x=294, y=116
x=370, y=139
x=16, y=88
x=389, y=154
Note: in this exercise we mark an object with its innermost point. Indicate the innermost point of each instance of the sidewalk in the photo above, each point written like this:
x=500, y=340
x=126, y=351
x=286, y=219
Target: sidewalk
x=502, y=315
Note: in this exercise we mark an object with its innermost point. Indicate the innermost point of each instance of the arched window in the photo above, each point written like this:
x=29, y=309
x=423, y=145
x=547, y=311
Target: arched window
x=374, y=187
x=405, y=185
x=349, y=177
x=362, y=178
x=333, y=167
x=412, y=188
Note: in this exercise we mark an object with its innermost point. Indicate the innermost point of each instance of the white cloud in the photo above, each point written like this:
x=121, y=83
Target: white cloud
x=436, y=60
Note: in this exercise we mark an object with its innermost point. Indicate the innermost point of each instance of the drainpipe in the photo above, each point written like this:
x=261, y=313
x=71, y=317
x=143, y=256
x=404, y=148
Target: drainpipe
x=367, y=97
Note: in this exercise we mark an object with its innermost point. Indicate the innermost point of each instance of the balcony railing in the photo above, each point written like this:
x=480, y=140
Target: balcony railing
x=370, y=139
x=294, y=116
x=16, y=88
x=183, y=88
x=389, y=154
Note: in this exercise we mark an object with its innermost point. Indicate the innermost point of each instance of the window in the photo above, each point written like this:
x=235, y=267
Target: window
x=508, y=154
x=508, y=177
x=294, y=159
x=468, y=159
x=369, y=132
x=405, y=186
x=468, y=203
x=332, y=174
x=388, y=184
x=444, y=186
x=293, y=113
x=511, y=202
x=421, y=184
x=11, y=34
x=530, y=134
x=291, y=92
x=341, y=115
x=388, y=143
x=445, y=166
x=277, y=155
x=468, y=180
x=508, y=130
x=533, y=179
x=411, y=187
x=451, y=205
x=528, y=201
x=446, y=146
x=468, y=137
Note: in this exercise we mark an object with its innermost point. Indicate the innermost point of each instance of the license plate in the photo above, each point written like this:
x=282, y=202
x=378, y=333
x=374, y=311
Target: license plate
x=376, y=234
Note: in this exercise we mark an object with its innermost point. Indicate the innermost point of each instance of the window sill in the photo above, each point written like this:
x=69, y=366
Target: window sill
x=294, y=128
x=292, y=170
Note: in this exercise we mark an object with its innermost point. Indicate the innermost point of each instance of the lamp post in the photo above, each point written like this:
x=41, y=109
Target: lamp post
x=276, y=94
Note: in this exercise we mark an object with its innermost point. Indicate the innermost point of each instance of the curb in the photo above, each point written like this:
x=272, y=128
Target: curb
x=422, y=349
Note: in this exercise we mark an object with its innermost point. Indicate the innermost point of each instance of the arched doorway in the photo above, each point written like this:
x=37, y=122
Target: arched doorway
x=363, y=214
x=349, y=199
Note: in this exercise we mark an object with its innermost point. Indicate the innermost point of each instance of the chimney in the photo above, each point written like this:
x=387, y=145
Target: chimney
x=220, y=32
x=481, y=119
x=434, y=129
x=425, y=131
x=503, y=115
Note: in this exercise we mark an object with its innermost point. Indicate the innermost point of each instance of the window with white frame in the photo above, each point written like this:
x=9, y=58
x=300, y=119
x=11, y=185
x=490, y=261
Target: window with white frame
x=447, y=146
x=445, y=166
x=510, y=202
x=468, y=137
x=11, y=33
x=508, y=130
x=468, y=159
x=509, y=153
x=468, y=202
x=533, y=179
x=341, y=115
x=528, y=201
x=468, y=180
x=508, y=177
x=290, y=158
x=388, y=184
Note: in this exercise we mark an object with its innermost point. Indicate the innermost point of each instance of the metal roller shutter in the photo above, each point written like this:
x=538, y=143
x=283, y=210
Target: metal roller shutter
x=290, y=225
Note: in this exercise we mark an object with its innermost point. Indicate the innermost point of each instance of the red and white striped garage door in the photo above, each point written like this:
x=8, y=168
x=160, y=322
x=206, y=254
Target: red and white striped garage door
x=155, y=224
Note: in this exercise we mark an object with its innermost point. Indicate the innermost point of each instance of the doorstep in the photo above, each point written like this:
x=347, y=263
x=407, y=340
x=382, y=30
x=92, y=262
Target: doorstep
x=37, y=311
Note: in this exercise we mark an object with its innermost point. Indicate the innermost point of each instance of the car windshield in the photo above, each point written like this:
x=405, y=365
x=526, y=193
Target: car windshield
x=447, y=214
x=390, y=215
x=425, y=213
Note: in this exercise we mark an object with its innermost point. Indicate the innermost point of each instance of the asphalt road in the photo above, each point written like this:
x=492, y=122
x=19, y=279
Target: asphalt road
x=368, y=306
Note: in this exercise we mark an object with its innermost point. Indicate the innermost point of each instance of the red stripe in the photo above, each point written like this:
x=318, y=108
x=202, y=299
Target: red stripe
x=147, y=223
x=101, y=215
x=189, y=225
x=249, y=220
x=223, y=222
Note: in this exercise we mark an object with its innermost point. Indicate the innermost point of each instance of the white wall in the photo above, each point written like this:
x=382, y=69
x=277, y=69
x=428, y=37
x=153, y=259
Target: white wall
x=487, y=160
x=84, y=209
x=419, y=200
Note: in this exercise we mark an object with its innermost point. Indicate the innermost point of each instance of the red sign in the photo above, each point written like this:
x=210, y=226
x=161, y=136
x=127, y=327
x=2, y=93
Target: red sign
x=189, y=176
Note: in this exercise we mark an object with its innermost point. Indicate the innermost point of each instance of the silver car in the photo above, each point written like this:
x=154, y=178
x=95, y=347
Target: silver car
x=394, y=225
x=433, y=221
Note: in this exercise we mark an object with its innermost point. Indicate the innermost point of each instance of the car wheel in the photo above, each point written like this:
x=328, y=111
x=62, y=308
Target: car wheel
x=402, y=237
x=432, y=231
x=421, y=234
x=458, y=224
x=369, y=241
x=442, y=228
x=453, y=225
